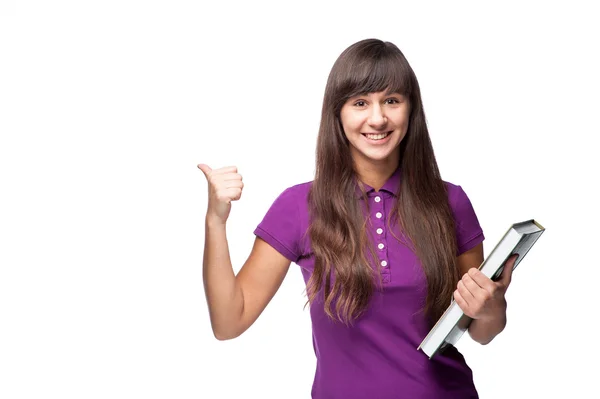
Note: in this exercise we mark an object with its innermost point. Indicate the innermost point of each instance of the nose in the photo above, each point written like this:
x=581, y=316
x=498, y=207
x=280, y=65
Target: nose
x=377, y=119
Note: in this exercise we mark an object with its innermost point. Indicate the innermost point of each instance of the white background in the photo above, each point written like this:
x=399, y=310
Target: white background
x=107, y=107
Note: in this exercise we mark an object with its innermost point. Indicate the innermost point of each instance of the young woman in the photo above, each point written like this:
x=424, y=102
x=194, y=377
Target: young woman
x=384, y=244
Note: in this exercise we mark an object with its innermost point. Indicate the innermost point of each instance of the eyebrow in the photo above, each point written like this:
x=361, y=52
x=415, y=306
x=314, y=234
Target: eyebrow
x=387, y=93
x=390, y=92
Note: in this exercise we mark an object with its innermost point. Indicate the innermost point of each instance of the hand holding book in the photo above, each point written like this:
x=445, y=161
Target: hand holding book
x=479, y=297
x=480, y=294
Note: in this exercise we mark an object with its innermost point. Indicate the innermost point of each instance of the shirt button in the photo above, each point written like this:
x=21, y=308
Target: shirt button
x=377, y=199
x=383, y=263
x=378, y=215
x=380, y=246
x=379, y=230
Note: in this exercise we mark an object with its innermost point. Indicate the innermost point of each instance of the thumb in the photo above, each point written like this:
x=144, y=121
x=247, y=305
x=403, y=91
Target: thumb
x=509, y=265
x=205, y=169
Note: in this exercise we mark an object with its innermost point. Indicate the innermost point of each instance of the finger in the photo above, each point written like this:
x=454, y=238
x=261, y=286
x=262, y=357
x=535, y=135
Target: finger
x=205, y=169
x=481, y=279
x=465, y=293
x=233, y=188
x=234, y=194
x=233, y=184
x=460, y=301
x=225, y=170
x=472, y=286
x=231, y=176
x=226, y=193
x=226, y=181
x=506, y=276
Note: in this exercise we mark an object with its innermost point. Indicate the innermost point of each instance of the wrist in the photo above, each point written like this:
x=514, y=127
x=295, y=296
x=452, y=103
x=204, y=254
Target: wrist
x=214, y=221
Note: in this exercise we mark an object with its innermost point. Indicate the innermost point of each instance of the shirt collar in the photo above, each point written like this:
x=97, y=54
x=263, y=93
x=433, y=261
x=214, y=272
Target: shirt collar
x=391, y=185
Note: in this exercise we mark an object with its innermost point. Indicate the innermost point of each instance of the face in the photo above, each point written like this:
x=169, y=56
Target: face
x=375, y=124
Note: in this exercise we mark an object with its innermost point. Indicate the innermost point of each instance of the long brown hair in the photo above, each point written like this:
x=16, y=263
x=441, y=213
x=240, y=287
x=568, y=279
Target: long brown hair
x=338, y=227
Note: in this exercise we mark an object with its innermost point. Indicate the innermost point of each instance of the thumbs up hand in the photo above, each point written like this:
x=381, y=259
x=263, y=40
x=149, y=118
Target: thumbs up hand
x=224, y=185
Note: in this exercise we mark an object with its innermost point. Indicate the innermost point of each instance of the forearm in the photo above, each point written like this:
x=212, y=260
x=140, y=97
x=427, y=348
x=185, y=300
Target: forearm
x=223, y=294
x=484, y=330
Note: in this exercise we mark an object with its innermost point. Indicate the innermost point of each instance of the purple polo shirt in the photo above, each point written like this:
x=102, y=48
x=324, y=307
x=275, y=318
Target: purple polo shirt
x=377, y=357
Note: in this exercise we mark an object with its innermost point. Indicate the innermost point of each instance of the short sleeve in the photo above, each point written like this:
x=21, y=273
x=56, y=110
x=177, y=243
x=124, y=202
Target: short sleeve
x=468, y=231
x=280, y=227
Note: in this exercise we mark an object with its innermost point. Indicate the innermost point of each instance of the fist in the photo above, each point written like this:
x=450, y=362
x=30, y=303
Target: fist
x=224, y=185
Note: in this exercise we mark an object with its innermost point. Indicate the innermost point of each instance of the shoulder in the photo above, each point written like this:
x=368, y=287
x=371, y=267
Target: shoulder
x=296, y=194
x=285, y=221
x=460, y=203
x=452, y=188
x=291, y=200
x=300, y=189
x=468, y=230
x=456, y=194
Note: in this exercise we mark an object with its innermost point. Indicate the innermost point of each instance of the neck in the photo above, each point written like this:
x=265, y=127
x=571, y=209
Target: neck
x=375, y=175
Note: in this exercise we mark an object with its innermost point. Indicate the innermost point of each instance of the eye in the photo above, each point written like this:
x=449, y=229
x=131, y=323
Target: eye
x=393, y=101
x=359, y=103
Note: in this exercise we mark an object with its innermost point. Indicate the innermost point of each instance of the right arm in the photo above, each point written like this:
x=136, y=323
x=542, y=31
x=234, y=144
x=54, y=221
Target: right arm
x=235, y=302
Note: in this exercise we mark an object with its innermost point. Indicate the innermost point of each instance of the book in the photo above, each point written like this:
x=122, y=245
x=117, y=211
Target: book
x=519, y=239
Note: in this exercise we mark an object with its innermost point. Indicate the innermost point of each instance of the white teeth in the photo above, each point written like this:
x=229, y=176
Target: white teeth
x=377, y=136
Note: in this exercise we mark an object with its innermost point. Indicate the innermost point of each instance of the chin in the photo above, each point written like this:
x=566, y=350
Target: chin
x=378, y=158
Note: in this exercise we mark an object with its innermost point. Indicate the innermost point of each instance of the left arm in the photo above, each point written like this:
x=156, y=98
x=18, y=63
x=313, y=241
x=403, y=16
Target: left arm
x=480, y=298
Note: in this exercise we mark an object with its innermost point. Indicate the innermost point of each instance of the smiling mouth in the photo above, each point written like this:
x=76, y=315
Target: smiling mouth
x=376, y=136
